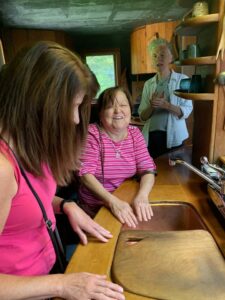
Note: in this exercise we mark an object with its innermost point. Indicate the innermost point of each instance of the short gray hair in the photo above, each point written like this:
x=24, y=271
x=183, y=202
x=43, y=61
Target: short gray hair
x=158, y=42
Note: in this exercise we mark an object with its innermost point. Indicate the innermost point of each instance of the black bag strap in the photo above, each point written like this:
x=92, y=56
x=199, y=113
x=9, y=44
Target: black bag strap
x=56, y=241
x=55, y=238
x=101, y=146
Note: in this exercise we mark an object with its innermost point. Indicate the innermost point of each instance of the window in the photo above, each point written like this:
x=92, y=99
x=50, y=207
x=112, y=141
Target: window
x=105, y=66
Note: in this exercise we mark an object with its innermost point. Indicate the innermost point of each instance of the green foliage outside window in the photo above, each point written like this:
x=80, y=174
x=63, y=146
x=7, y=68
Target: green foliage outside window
x=103, y=67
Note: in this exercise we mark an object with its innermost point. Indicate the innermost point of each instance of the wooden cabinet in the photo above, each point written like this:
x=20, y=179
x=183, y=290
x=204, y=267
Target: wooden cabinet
x=138, y=51
x=209, y=106
x=140, y=38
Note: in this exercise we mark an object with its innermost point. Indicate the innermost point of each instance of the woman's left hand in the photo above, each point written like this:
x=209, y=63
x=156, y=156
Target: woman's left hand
x=141, y=204
x=142, y=208
x=82, y=224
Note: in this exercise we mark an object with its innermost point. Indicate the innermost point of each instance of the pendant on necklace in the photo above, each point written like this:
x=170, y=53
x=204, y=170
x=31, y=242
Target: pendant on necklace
x=117, y=151
x=118, y=154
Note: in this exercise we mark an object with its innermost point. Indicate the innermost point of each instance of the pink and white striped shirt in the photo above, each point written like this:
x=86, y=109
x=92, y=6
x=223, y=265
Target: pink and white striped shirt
x=99, y=158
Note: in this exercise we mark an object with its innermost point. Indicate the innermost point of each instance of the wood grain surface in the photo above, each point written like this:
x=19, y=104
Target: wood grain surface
x=170, y=265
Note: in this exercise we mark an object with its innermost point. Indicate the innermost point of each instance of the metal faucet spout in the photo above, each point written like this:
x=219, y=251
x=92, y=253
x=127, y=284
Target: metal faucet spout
x=174, y=161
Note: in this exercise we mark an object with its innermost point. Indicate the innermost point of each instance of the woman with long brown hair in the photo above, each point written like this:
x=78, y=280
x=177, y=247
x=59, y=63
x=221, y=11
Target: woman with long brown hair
x=45, y=96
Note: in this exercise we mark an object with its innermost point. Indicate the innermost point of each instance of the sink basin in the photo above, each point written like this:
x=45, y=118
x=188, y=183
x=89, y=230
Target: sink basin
x=166, y=257
x=171, y=216
x=170, y=265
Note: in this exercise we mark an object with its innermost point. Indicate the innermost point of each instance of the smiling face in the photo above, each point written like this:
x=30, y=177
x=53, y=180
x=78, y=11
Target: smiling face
x=115, y=118
x=161, y=57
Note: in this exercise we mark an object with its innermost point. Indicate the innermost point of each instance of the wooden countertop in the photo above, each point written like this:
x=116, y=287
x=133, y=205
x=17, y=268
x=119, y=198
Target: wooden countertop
x=172, y=184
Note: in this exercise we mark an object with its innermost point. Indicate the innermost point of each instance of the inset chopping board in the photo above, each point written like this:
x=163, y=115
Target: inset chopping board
x=171, y=265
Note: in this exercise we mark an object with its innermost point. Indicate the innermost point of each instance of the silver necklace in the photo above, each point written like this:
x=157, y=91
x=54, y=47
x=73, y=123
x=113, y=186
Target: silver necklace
x=117, y=150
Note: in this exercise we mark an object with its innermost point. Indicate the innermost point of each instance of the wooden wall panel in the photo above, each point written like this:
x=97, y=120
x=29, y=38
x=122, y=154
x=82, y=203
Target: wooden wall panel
x=14, y=39
x=19, y=39
x=202, y=130
x=219, y=142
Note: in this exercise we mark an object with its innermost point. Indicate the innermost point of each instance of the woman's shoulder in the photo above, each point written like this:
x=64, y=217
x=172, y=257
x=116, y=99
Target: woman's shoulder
x=6, y=157
x=4, y=162
x=150, y=81
x=134, y=131
x=94, y=134
x=8, y=163
x=6, y=169
x=93, y=129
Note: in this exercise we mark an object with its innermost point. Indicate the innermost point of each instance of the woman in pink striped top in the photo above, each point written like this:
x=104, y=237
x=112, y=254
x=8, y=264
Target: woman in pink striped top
x=114, y=152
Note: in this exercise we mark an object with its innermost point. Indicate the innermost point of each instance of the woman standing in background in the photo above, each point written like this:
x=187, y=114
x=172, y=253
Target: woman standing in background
x=163, y=112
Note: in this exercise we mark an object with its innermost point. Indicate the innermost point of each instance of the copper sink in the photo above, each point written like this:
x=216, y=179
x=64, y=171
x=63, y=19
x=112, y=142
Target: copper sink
x=170, y=216
x=166, y=257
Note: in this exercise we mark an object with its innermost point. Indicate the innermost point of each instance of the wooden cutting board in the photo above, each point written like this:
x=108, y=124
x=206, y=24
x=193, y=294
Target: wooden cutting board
x=172, y=265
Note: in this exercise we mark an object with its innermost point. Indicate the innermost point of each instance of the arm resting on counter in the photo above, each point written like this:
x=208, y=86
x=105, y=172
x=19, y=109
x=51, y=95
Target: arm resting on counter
x=121, y=210
x=141, y=203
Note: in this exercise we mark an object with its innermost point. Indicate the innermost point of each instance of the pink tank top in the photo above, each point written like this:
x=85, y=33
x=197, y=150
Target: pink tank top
x=25, y=245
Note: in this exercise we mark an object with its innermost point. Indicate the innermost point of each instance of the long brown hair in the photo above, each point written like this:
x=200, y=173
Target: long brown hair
x=37, y=89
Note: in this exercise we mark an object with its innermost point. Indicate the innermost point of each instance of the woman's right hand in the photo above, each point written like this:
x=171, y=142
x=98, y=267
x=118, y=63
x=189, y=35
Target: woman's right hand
x=87, y=286
x=83, y=224
x=123, y=212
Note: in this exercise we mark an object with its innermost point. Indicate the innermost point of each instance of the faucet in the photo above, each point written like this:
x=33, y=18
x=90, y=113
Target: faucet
x=217, y=180
x=207, y=166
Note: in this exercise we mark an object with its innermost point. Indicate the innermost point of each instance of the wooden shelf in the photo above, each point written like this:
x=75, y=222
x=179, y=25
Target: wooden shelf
x=204, y=60
x=191, y=26
x=195, y=96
